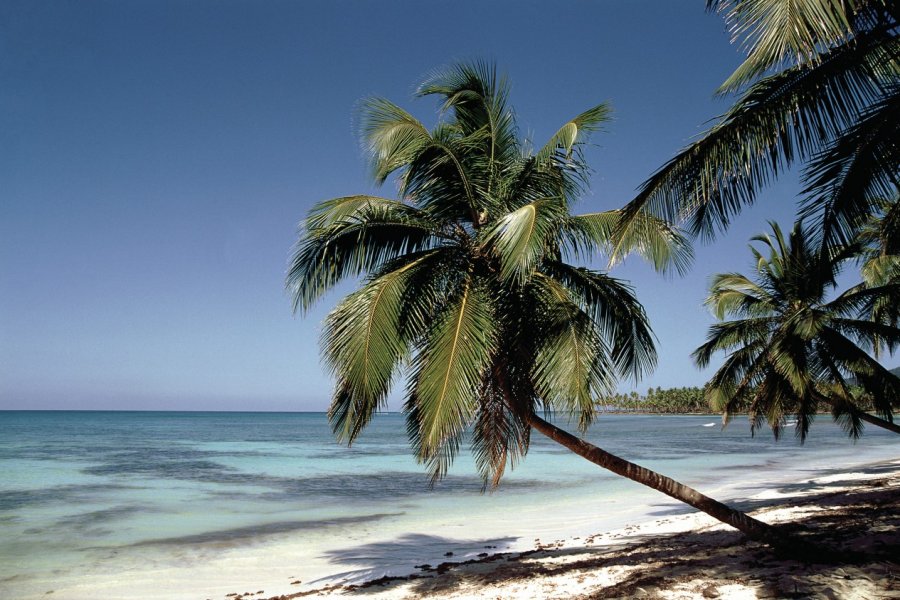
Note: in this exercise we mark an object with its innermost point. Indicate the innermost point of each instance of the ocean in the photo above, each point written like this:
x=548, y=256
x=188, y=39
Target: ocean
x=197, y=505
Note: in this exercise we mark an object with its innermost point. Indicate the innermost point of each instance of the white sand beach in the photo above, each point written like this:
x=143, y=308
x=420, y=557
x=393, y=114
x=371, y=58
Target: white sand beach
x=559, y=528
x=684, y=556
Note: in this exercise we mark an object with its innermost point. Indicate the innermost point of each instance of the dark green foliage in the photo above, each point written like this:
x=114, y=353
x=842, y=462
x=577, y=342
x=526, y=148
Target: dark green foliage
x=796, y=345
x=467, y=291
x=819, y=88
x=665, y=401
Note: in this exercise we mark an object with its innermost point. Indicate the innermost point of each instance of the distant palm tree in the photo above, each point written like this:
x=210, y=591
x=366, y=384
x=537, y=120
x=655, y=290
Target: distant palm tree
x=792, y=348
x=468, y=292
x=879, y=241
x=879, y=238
x=820, y=86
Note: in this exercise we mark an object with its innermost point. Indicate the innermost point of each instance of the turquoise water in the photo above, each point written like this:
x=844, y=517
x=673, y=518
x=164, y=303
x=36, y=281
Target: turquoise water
x=87, y=496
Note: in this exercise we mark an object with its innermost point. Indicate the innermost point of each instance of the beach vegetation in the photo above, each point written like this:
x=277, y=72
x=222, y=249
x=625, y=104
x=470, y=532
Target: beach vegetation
x=819, y=88
x=658, y=400
x=795, y=344
x=471, y=291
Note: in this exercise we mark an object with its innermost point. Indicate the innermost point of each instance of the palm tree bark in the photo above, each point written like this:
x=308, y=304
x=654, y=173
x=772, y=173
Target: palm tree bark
x=878, y=422
x=752, y=528
x=863, y=415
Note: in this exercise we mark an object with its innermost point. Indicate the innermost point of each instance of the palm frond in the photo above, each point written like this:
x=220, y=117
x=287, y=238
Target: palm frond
x=392, y=137
x=773, y=400
x=845, y=414
x=733, y=294
x=879, y=383
x=782, y=118
x=864, y=300
x=731, y=335
x=499, y=436
x=523, y=181
x=737, y=380
x=880, y=269
x=358, y=244
x=443, y=177
x=848, y=181
x=573, y=132
x=572, y=363
x=448, y=371
x=519, y=239
x=475, y=93
x=335, y=210
x=477, y=96
x=616, y=313
x=657, y=241
x=773, y=32
x=363, y=344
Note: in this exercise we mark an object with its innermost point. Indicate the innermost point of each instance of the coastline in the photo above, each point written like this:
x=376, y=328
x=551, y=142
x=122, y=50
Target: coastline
x=683, y=555
x=198, y=513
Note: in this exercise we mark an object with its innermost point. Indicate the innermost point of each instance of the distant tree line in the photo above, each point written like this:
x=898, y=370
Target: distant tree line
x=683, y=400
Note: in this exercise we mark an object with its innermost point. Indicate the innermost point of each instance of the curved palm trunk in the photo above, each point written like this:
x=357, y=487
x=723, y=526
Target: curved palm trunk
x=752, y=528
x=872, y=419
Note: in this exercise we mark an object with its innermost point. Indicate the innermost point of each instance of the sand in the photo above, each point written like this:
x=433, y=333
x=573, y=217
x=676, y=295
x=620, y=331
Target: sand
x=684, y=556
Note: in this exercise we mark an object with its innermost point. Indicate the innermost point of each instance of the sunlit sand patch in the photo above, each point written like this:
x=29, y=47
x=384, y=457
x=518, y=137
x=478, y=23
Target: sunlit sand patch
x=692, y=557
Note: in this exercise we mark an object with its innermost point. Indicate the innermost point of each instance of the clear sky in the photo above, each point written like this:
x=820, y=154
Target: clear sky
x=157, y=156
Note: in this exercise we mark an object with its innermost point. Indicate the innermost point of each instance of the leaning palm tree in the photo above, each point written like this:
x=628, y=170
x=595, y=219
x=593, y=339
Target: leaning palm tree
x=468, y=291
x=820, y=87
x=791, y=347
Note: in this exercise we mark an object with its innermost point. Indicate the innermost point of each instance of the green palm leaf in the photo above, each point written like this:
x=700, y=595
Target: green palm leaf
x=572, y=363
x=499, y=436
x=616, y=314
x=363, y=343
x=657, y=241
x=847, y=182
x=391, y=136
x=774, y=31
x=519, y=239
x=735, y=294
x=449, y=370
x=783, y=118
x=359, y=243
x=573, y=132
x=335, y=210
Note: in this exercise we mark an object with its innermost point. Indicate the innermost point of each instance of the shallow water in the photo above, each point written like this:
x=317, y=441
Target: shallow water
x=134, y=504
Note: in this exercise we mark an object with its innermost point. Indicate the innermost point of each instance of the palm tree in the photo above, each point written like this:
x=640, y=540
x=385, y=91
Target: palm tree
x=879, y=238
x=468, y=292
x=879, y=241
x=819, y=86
x=792, y=348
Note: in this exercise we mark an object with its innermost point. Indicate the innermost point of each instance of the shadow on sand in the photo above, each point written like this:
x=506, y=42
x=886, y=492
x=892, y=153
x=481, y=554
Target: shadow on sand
x=864, y=521
x=375, y=559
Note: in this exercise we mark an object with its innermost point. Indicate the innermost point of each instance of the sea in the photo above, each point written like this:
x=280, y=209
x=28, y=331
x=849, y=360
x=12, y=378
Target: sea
x=202, y=504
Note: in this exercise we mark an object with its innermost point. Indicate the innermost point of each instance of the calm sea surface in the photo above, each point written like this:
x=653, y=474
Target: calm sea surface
x=90, y=496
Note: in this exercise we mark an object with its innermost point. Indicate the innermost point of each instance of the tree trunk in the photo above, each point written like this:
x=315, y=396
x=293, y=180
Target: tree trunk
x=863, y=415
x=752, y=528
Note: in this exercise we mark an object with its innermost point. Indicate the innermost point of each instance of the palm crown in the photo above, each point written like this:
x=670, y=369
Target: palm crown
x=466, y=286
x=792, y=347
x=820, y=85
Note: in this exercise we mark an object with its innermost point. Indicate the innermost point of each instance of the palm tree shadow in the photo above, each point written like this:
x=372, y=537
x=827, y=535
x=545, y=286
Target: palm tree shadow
x=865, y=523
x=392, y=560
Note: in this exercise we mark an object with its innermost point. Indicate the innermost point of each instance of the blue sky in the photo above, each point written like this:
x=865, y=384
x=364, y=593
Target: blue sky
x=157, y=157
